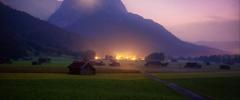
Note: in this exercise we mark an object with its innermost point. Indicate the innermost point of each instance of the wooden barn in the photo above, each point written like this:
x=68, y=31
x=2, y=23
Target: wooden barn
x=156, y=59
x=98, y=63
x=193, y=65
x=225, y=67
x=41, y=61
x=114, y=63
x=82, y=68
x=156, y=63
x=44, y=60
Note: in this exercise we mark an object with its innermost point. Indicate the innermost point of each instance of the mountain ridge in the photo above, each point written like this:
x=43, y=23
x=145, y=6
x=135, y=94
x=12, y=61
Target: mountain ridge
x=232, y=47
x=107, y=31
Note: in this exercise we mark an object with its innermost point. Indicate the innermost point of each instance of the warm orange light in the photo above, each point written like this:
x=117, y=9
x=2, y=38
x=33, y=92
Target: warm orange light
x=133, y=58
x=126, y=57
x=96, y=58
x=118, y=57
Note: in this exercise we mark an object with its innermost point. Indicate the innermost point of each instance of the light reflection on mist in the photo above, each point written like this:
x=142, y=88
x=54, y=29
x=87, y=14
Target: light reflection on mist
x=89, y=5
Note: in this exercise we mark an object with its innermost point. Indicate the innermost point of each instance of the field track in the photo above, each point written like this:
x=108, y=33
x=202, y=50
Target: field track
x=186, y=92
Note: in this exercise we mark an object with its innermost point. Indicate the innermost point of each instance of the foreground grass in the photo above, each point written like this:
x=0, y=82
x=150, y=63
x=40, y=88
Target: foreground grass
x=31, y=86
x=215, y=85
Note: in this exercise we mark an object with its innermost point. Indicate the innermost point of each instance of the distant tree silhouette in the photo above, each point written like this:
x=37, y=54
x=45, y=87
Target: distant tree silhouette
x=89, y=55
x=228, y=59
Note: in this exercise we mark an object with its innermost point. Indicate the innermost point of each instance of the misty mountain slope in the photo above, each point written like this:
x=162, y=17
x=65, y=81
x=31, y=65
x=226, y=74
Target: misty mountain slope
x=22, y=34
x=108, y=28
x=230, y=46
x=220, y=30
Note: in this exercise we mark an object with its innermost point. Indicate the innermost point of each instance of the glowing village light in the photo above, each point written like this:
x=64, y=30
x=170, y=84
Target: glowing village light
x=126, y=57
x=119, y=57
x=133, y=58
x=96, y=58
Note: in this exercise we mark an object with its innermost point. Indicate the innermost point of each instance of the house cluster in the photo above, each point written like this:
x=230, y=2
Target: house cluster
x=158, y=60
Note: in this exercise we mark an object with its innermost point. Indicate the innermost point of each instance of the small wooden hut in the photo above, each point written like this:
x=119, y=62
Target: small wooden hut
x=225, y=67
x=193, y=66
x=82, y=68
x=114, y=64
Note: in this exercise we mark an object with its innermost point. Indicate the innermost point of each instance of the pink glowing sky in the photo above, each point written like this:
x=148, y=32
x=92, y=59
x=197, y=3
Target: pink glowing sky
x=193, y=20
x=175, y=12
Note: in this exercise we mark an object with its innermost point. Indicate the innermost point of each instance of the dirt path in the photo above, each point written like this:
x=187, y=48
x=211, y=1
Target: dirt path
x=190, y=94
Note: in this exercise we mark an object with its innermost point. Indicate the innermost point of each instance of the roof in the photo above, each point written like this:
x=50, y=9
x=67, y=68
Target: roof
x=80, y=64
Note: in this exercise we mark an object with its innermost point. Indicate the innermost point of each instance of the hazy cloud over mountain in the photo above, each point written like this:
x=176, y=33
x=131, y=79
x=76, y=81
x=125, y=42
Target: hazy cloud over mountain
x=212, y=30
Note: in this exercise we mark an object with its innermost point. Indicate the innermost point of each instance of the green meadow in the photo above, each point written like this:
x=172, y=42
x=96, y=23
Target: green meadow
x=32, y=86
x=214, y=85
x=23, y=81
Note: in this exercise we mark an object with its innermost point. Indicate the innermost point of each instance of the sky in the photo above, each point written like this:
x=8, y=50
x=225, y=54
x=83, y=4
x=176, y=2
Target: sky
x=193, y=20
x=177, y=12
x=190, y=20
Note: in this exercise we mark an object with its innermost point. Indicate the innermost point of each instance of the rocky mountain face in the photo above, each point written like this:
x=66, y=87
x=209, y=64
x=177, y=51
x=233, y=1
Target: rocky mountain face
x=107, y=27
x=73, y=10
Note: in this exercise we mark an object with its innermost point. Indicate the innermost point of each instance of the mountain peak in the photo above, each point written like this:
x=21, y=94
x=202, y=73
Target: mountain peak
x=72, y=10
x=95, y=5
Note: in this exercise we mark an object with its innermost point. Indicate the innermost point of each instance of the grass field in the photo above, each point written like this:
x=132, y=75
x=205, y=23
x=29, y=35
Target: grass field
x=22, y=86
x=41, y=86
x=215, y=85
x=23, y=81
x=57, y=62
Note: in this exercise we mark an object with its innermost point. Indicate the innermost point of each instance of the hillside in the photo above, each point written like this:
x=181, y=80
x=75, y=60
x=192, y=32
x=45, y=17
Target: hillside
x=22, y=35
